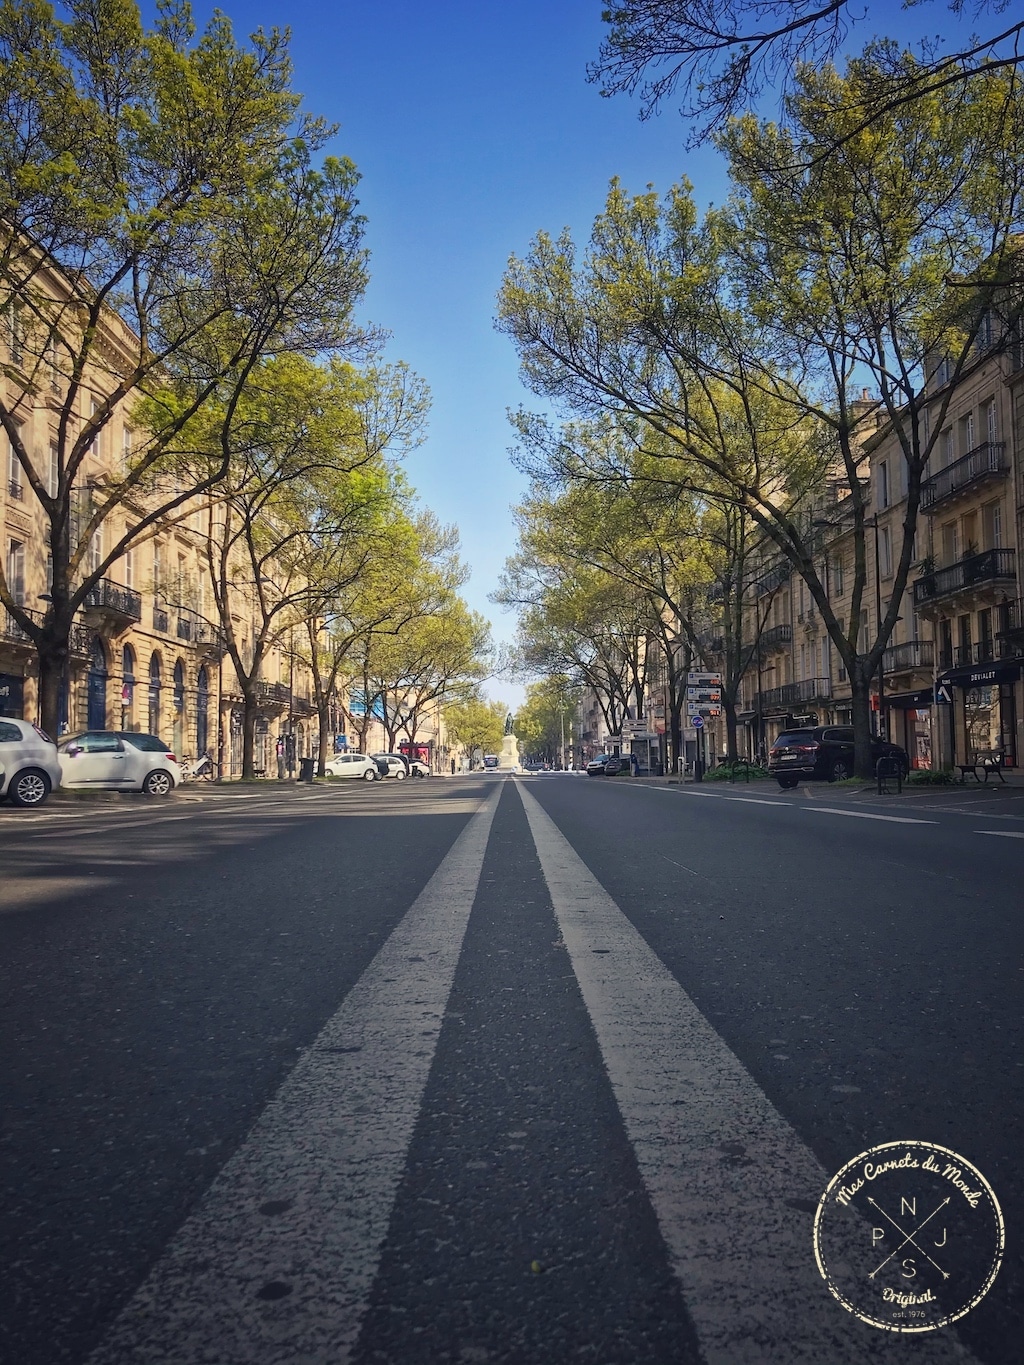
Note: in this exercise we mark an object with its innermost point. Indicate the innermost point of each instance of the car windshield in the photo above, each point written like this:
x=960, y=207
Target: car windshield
x=794, y=737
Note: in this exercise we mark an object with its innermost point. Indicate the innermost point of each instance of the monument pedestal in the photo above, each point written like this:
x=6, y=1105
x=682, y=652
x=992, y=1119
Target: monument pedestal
x=508, y=759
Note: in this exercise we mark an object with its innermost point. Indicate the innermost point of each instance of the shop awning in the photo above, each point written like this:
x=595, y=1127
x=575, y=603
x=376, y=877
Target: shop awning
x=910, y=701
x=982, y=675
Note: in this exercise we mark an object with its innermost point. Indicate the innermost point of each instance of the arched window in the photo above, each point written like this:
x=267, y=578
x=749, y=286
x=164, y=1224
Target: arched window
x=96, y=708
x=154, y=694
x=202, y=711
x=127, y=688
x=178, y=702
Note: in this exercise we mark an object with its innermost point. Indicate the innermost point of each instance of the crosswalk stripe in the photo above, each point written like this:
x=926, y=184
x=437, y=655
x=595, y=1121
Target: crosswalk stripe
x=277, y=1262
x=720, y=1164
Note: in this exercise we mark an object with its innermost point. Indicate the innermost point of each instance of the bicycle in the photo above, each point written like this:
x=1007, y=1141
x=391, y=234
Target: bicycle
x=202, y=769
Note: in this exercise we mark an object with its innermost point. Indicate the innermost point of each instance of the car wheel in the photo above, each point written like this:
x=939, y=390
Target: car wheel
x=370, y=775
x=158, y=783
x=788, y=782
x=29, y=788
x=400, y=775
x=841, y=769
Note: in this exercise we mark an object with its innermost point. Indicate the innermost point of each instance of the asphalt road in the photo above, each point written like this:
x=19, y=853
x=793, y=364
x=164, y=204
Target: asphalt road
x=475, y=1069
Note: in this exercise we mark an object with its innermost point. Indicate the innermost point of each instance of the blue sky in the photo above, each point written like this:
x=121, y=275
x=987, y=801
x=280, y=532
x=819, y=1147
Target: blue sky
x=473, y=126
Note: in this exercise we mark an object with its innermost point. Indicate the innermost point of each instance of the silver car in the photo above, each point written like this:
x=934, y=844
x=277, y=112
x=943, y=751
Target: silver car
x=118, y=760
x=29, y=769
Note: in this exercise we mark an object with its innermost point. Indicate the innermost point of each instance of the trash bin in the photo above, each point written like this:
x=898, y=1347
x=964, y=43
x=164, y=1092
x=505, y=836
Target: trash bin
x=307, y=767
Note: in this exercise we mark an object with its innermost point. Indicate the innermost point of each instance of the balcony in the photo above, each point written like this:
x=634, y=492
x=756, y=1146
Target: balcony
x=773, y=577
x=791, y=694
x=161, y=621
x=907, y=657
x=988, y=568
x=272, y=694
x=776, y=638
x=80, y=637
x=113, y=604
x=10, y=630
x=1010, y=635
x=15, y=490
x=977, y=466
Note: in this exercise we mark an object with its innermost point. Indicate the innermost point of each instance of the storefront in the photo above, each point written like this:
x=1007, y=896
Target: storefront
x=985, y=709
x=909, y=716
x=12, y=696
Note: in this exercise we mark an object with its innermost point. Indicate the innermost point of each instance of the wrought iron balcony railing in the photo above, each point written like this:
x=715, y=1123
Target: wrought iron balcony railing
x=810, y=689
x=776, y=637
x=984, y=462
x=111, y=597
x=909, y=655
x=990, y=566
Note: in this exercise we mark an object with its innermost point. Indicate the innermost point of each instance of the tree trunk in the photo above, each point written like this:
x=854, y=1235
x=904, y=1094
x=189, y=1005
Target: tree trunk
x=249, y=709
x=860, y=687
x=52, y=661
x=323, y=711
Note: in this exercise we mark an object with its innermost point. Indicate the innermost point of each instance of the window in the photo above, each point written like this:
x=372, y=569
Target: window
x=967, y=433
x=156, y=566
x=96, y=444
x=951, y=542
x=992, y=524
x=16, y=570
x=883, y=484
x=985, y=331
x=127, y=436
x=946, y=448
x=53, y=478
x=837, y=577
x=96, y=550
x=129, y=567
x=991, y=421
x=16, y=332
x=49, y=573
x=944, y=371
x=885, y=552
x=14, y=484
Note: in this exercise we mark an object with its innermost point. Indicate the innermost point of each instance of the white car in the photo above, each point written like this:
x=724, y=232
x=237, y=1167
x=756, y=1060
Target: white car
x=395, y=763
x=352, y=765
x=118, y=760
x=29, y=769
x=417, y=768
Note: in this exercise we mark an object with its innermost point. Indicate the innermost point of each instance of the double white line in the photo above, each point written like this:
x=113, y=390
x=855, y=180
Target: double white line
x=277, y=1264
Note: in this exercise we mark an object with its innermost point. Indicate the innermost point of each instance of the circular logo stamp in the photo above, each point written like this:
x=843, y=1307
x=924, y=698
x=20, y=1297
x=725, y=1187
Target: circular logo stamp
x=909, y=1236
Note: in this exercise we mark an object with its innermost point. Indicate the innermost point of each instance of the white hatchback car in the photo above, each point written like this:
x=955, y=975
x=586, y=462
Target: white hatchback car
x=352, y=765
x=118, y=760
x=29, y=768
x=396, y=765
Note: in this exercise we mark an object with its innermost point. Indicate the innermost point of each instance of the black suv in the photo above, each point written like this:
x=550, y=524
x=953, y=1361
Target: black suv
x=824, y=751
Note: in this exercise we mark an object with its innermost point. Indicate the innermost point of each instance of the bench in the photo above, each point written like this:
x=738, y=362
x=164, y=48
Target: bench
x=988, y=761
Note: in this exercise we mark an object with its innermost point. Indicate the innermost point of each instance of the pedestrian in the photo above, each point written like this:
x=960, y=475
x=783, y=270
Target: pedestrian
x=453, y=767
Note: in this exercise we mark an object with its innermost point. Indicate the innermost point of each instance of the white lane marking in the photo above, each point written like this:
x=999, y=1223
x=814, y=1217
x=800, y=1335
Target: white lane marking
x=743, y=1255
x=330, y=1147
x=1001, y=833
x=867, y=815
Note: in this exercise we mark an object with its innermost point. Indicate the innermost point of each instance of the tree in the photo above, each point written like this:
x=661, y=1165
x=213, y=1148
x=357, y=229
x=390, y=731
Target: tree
x=165, y=229
x=742, y=343
x=297, y=517
x=473, y=723
x=725, y=56
x=544, y=720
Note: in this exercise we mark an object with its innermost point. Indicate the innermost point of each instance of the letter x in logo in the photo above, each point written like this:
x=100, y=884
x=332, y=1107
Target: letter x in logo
x=908, y=1237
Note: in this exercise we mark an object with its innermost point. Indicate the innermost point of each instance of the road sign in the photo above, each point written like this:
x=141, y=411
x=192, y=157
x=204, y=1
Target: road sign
x=694, y=708
x=704, y=694
x=704, y=680
x=697, y=722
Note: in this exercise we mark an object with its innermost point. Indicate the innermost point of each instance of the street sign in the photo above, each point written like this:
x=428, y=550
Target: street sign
x=702, y=709
x=697, y=722
x=704, y=680
x=943, y=695
x=704, y=694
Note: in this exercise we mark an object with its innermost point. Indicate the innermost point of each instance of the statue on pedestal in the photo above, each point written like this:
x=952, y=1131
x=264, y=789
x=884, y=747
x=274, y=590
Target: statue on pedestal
x=508, y=759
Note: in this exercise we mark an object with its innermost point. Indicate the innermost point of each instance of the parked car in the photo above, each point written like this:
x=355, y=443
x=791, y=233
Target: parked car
x=118, y=760
x=29, y=768
x=417, y=768
x=604, y=765
x=353, y=765
x=823, y=753
x=393, y=765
